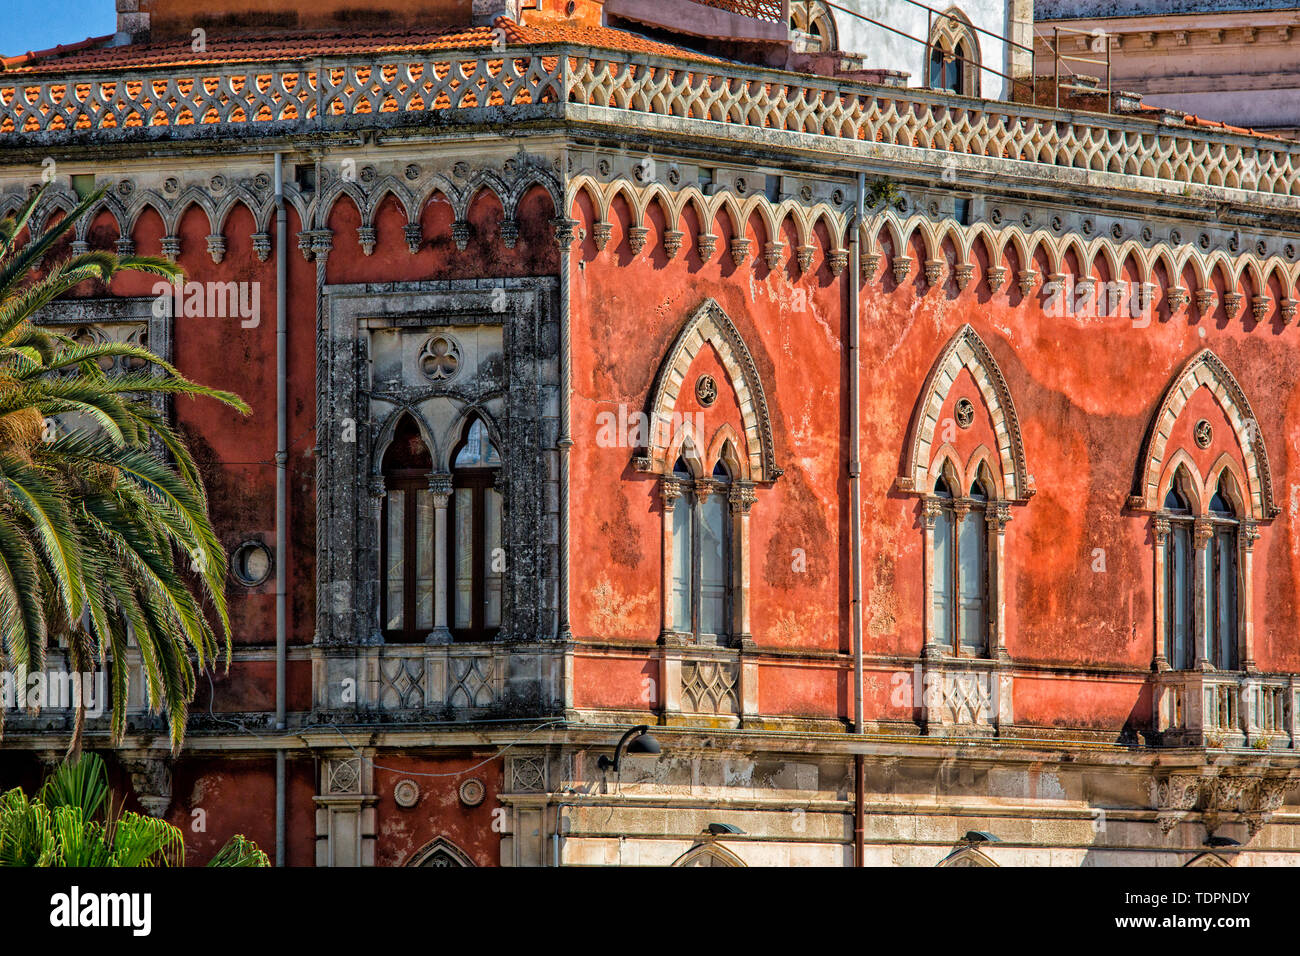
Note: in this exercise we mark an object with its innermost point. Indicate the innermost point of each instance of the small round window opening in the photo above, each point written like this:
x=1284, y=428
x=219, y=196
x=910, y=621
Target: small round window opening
x=706, y=390
x=440, y=359
x=252, y=563
x=1203, y=433
x=965, y=413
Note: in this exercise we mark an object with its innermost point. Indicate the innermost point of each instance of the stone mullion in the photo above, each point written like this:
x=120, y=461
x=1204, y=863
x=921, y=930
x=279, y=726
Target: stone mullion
x=1159, y=661
x=440, y=491
x=670, y=490
x=1202, y=534
x=998, y=515
x=930, y=511
x=1246, y=539
x=741, y=498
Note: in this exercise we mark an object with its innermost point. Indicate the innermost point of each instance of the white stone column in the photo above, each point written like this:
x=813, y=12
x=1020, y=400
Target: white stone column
x=741, y=498
x=1202, y=534
x=440, y=489
x=1246, y=539
x=997, y=517
x=1161, y=532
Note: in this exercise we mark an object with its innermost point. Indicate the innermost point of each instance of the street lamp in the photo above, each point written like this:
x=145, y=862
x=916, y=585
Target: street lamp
x=641, y=743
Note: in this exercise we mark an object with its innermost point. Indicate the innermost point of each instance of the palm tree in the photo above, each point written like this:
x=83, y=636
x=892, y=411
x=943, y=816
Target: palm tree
x=71, y=822
x=104, y=531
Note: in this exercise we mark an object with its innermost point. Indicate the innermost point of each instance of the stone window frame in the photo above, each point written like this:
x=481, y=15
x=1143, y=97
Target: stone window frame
x=751, y=461
x=948, y=33
x=816, y=20
x=351, y=443
x=1006, y=465
x=1252, y=482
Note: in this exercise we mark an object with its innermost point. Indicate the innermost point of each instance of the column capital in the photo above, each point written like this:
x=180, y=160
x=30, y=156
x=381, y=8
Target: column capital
x=741, y=497
x=1202, y=532
x=440, y=488
x=671, y=489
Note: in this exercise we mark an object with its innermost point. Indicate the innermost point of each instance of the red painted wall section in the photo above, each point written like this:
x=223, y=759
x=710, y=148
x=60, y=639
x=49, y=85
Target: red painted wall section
x=627, y=308
x=404, y=832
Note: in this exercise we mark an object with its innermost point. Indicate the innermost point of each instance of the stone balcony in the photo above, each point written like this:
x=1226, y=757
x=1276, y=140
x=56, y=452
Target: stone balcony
x=1226, y=710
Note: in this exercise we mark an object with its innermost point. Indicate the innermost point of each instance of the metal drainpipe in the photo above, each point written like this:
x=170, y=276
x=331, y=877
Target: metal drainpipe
x=855, y=509
x=281, y=494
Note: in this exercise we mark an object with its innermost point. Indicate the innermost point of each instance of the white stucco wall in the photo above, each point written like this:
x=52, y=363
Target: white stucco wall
x=886, y=50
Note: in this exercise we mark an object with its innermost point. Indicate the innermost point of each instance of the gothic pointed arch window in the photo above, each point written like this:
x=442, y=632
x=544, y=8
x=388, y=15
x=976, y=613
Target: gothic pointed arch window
x=709, y=439
x=953, y=55
x=1204, y=477
x=1180, y=644
x=406, y=539
x=966, y=462
x=476, y=559
x=814, y=20
x=1222, y=586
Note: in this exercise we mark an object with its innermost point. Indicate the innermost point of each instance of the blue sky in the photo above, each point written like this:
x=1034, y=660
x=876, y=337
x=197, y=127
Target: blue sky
x=40, y=24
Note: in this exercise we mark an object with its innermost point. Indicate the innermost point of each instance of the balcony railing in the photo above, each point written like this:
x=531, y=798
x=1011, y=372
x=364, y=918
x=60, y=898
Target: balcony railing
x=561, y=82
x=1207, y=708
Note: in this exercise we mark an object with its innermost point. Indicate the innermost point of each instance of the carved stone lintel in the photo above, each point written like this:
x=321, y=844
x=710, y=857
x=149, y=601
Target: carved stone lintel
x=151, y=779
x=217, y=247
x=440, y=490
x=636, y=237
x=460, y=234
x=996, y=275
x=934, y=269
x=707, y=244
x=262, y=245
x=414, y=233
x=1260, y=305
x=773, y=253
x=1232, y=303
x=870, y=263
x=670, y=489
x=509, y=232
x=740, y=250
x=741, y=497
x=366, y=237
x=1205, y=299
x=804, y=256
x=565, y=231
x=673, y=242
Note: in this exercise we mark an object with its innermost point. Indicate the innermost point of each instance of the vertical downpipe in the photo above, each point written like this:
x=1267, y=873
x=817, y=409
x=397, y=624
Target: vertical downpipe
x=281, y=494
x=855, y=508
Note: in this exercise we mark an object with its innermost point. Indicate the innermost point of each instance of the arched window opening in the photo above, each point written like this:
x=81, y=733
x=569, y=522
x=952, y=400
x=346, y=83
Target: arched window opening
x=1180, y=643
x=961, y=568
x=476, y=559
x=1221, y=588
x=701, y=553
x=954, y=57
x=406, y=544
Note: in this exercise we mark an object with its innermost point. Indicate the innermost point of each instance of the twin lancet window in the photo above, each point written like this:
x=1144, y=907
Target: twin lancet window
x=961, y=614
x=1200, y=579
x=440, y=549
x=701, y=552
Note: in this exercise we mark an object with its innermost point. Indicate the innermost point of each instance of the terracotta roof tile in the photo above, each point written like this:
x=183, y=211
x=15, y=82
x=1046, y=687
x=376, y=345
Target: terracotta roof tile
x=245, y=47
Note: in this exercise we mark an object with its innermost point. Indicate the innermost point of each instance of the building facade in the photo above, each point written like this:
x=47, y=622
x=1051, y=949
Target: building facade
x=1230, y=61
x=918, y=468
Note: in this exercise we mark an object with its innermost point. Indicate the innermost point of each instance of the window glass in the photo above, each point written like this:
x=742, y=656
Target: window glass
x=394, y=572
x=463, y=558
x=1225, y=565
x=713, y=584
x=944, y=597
x=478, y=450
x=682, y=551
x=971, y=575
x=493, y=558
x=424, y=560
x=1178, y=591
